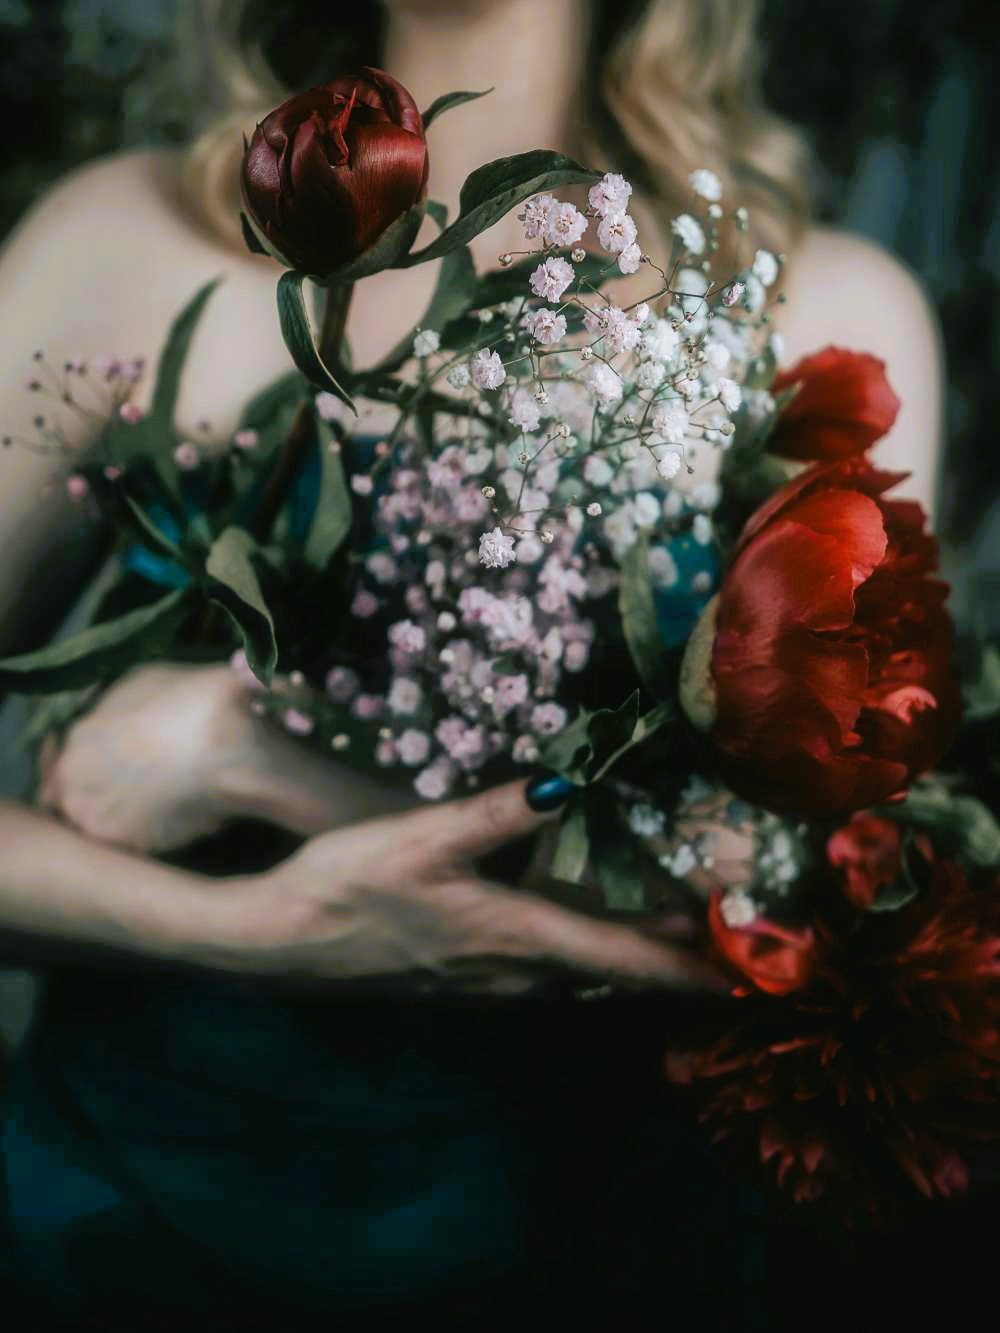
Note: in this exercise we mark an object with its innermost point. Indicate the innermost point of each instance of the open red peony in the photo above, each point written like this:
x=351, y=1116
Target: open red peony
x=831, y=661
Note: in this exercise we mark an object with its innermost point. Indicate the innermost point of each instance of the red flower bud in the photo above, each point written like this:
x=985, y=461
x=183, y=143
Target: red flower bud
x=332, y=168
x=842, y=406
x=828, y=664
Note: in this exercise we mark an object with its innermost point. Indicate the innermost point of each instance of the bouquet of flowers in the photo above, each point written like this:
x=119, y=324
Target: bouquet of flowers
x=745, y=670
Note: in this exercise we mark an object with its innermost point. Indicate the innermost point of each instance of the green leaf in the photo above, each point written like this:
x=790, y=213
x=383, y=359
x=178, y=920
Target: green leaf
x=154, y=534
x=334, y=514
x=496, y=188
x=614, y=857
x=614, y=734
x=507, y=665
x=300, y=339
x=572, y=850
x=966, y=820
x=174, y=355
x=585, y=751
x=234, y=584
x=389, y=251
x=638, y=614
x=253, y=241
x=438, y=213
x=446, y=101
x=97, y=652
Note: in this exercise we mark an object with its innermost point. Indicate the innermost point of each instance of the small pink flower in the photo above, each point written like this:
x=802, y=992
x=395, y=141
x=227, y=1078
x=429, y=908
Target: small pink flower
x=246, y=439
x=413, y=747
x=298, y=723
x=130, y=412
x=112, y=471
x=186, y=456
x=433, y=782
x=77, y=487
x=548, y=719
x=508, y=693
x=367, y=706
x=362, y=484
x=407, y=637
x=385, y=753
x=365, y=604
x=341, y=684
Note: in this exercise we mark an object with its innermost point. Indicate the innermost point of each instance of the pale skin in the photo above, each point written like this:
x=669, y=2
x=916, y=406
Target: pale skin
x=101, y=264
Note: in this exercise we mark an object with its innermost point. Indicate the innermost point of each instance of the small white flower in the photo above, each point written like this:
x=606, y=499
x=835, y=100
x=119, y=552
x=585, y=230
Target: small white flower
x=405, y=697
x=564, y=225
x=551, y=278
x=610, y=195
x=733, y=293
x=496, y=549
x=459, y=376
x=534, y=216
x=755, y=296
x=670, y=421
x=776, y=343
x=706, y=184
x=645, y=509
x=659, y=342
x=545, y=326
x=616, y=232
x=717, y=356
x=606, y=384
x=413, y=747
x=646, y=821
x=594, y=510
x=681, y=863
x=629, y=259
x=765, y=267
x=701, y=529
x=738, y=910
x=524, y=411
x=730, y=394
x=641, y=313
x=669, y=464
x=651, y=374
x=662, y=567
x=362, y=484
x=487, y=370
x=688, y=229
x=426, y=343
x=597, y=471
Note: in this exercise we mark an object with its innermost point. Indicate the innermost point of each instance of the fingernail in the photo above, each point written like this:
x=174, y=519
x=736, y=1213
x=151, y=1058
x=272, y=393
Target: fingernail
x=548, y=791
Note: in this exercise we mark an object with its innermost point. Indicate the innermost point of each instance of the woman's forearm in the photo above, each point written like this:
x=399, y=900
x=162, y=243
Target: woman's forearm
x=57, y=885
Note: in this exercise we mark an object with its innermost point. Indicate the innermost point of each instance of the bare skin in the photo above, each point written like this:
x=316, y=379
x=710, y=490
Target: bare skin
x=101, y=264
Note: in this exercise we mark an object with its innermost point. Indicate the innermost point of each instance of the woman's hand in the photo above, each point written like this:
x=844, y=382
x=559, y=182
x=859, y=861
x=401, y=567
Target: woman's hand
x=171, y=752
x=395, y=894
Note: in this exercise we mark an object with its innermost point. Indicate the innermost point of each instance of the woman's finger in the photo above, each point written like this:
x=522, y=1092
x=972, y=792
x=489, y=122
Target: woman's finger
x=498, y=921
x=457, y=831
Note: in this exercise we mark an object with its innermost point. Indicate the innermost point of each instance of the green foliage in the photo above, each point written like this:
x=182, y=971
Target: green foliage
x=98, y=652
x=232, y=580
x=334, y=514
x=638, y=614
x=447, y=101
x=586, y=750
x=494, y=189
x=301, y=340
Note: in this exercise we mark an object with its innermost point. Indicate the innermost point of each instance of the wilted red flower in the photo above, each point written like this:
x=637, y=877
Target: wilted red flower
x=842, y=406
x=884, y=1064
x=826, y=656
x=332, y=168
x=867, y=854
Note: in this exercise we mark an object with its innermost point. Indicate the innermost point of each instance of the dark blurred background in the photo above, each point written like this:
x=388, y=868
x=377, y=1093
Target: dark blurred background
x=899, y=99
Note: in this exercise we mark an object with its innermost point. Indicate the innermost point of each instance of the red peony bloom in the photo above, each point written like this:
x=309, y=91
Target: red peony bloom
x=332, y=168
x=825, y=660
x=884, y=1064
x=843, y=405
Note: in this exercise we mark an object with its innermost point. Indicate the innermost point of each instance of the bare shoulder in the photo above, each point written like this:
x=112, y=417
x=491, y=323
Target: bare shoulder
x=849, y=291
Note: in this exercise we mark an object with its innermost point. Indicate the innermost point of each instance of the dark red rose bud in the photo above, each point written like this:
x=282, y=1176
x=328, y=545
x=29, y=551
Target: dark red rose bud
x=824, y=662
x=331, y=169
x=842, y=406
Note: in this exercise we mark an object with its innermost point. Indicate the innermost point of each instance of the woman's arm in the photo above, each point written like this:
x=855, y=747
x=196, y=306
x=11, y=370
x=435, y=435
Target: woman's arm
x=378, y=898
x=848, y=291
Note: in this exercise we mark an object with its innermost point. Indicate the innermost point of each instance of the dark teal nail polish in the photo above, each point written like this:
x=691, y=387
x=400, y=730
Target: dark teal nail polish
x=548, y=791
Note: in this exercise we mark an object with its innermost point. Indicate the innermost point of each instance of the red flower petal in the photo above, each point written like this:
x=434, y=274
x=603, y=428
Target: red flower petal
x=843, y=405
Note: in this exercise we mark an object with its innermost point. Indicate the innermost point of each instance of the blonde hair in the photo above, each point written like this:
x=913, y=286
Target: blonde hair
x=676, y=88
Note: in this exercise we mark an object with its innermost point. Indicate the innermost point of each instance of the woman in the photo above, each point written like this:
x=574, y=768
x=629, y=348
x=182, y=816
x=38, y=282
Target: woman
x=208, y=1141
